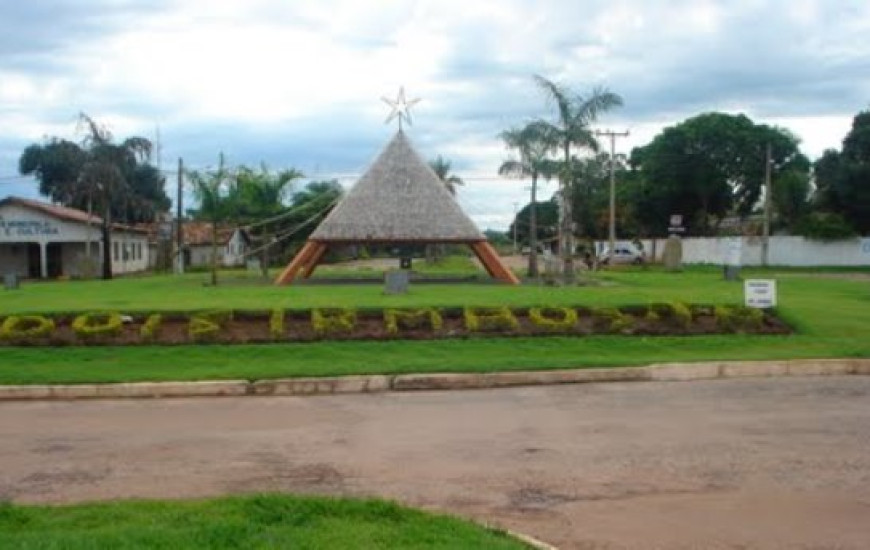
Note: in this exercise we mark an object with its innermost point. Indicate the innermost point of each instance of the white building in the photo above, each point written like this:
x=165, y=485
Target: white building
x=42, y=240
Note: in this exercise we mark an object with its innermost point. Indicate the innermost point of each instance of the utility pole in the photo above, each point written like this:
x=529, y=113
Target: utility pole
x=611, y=230
x=765, y=240
x=179, y=221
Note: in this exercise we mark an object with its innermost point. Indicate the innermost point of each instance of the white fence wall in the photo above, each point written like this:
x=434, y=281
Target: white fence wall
x=784, y=251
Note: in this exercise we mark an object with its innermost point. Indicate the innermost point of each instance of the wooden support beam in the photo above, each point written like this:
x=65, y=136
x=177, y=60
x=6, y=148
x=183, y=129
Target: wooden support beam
x=314, y=260
x=286, y=277
x=493, y=264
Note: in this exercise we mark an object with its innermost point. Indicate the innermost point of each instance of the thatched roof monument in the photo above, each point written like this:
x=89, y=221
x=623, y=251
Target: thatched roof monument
x=399, y=200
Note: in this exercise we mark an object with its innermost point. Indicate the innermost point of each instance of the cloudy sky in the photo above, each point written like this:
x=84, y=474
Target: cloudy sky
x=298, y=84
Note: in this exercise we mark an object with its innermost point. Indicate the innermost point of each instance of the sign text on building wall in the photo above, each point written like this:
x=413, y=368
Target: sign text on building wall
x=26, y=228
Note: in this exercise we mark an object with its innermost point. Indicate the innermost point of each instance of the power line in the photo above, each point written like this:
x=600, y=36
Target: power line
x=278, y=237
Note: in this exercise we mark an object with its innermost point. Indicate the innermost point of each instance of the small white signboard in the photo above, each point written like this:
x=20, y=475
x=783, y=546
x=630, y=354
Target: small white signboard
x=760, y=293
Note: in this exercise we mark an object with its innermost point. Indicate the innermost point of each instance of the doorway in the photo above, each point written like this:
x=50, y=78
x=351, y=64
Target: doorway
x=54, y=259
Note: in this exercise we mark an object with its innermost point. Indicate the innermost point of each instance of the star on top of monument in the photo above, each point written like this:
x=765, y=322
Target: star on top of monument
x=401, y=108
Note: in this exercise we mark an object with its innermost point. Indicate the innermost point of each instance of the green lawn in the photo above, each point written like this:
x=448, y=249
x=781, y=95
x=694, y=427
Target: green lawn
x=831, y=316
x=262, y=521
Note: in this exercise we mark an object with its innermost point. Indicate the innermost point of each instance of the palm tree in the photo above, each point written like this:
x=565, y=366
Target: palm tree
x=531, y=143
x=441, y=167
x=106, y=172
x=98, y=173
x=209, y=189
x=574, y=115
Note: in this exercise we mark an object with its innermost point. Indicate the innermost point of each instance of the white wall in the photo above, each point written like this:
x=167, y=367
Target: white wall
x=234, y=251
x=136, y=257
x=784, y=251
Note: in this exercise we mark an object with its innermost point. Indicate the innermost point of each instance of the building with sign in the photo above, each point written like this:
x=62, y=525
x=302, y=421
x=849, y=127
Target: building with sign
x=43, y=240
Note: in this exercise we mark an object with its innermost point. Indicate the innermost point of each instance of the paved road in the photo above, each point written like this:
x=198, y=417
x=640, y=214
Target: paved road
x=776, y=463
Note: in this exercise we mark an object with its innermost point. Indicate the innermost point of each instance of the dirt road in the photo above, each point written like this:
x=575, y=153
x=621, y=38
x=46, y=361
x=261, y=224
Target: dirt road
x=777, y=463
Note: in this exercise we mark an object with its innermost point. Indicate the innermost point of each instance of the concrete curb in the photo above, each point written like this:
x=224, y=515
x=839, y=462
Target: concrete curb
x=660, y=372
x=530, y=540
x=207, y=388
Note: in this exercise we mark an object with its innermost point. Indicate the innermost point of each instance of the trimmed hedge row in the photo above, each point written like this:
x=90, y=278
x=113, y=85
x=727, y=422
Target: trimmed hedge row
x=207, y=326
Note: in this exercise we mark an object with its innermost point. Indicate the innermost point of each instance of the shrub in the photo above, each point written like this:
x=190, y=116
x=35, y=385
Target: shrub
x=332, y=321
x=612, y=320
x=675, y=313
x=94, y=325
x=394, y=319
x=206, y=325
x=151, y=328
x=482, y=319
x=553, y=319
x=738, y=318
x=23, y=327
x=276, y=324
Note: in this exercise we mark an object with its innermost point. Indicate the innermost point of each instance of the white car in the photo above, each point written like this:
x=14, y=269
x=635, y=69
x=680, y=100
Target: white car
x=623, y=255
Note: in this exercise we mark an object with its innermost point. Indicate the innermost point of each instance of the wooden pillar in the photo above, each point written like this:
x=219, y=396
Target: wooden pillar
x=300, y=260
x=493, y=264
x=311, y=264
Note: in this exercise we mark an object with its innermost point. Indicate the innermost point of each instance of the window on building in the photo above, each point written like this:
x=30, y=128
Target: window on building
x=138, y=251
x=115, y=251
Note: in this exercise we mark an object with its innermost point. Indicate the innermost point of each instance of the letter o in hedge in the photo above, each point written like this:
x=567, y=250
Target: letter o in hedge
x=26, y=326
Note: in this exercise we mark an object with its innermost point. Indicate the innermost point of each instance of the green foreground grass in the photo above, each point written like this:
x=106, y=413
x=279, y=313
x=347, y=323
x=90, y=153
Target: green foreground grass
x=262, y=521
x=829, y=314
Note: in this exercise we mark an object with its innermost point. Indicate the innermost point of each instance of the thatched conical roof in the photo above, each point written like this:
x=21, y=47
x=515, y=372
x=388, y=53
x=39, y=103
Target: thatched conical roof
x=398, y=199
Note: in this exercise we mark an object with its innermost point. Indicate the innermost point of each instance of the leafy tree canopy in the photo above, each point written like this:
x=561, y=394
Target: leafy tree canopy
x=713, y=164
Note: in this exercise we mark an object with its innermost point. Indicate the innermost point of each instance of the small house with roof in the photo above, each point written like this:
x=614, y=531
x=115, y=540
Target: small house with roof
x=233, y=245
x=40, y=240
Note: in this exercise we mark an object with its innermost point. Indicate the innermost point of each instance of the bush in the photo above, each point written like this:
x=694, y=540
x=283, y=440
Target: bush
x=825, y=226
x=95, y=325
x=23, y=327
x=276, y=324
x=553, y=319
x=151, y=328
x=485, y=319
x=332, y=321
x=675, y=313
x=609, y=319
x=206, y=325
x=738, y=318
x=394, y=319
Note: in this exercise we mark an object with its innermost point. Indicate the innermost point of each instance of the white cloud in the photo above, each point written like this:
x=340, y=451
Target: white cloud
x=299, y=82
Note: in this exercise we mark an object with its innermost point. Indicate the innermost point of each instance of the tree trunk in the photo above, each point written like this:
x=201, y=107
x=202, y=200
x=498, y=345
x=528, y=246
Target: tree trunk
x=107, y=243
x=533, y=229
x=214, y=263
x=567, y=219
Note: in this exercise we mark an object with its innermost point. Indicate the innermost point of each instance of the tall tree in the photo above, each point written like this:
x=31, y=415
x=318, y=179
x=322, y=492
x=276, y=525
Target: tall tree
x=257, y=196
x=711, y=165
x=852, y=186
x=211, y=189
x=531, y=143
x=117, y=178
x=572, y=129
x=548, y=222
x=259, y=193
x=442, y=167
